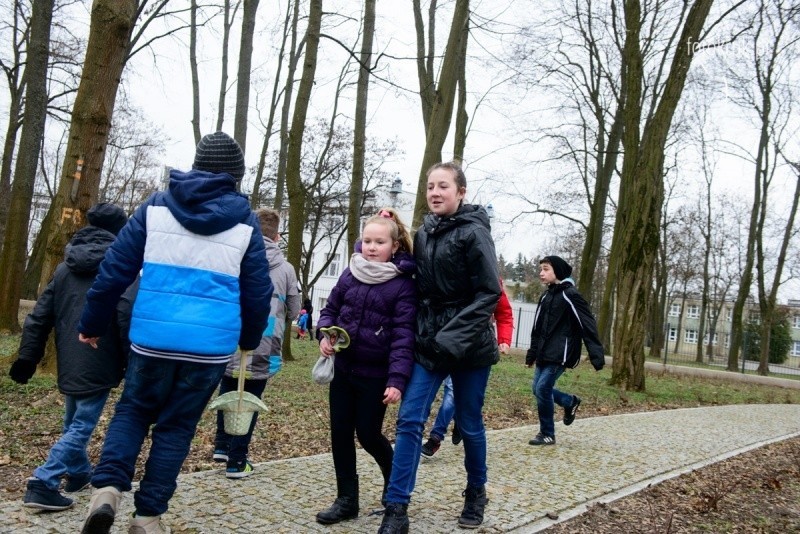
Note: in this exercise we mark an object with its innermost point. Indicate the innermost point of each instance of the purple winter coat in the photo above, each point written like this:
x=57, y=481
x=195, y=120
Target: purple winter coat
x=380, y=321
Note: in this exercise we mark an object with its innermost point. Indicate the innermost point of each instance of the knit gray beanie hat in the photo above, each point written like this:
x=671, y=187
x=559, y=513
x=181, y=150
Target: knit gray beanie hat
x=218, y=153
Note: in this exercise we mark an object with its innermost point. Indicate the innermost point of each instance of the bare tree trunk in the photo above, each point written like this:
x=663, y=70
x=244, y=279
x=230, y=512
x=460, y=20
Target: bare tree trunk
x=442, y=111
x=14, y=114
x=223, y=81
x=112, y=23
x=12, y=258
x=294, y=56
x=243, y=80
x=294, y=183
x=425, y=77
x=462, y=118
x=637, y=233
x=360, y=127
x=195, y=78
x=255, y=198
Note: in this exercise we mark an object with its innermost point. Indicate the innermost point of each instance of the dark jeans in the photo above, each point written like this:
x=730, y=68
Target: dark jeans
x=544, y=382
x=469, y=388
x=169, y=396
x=236, y=446
x=356, y=405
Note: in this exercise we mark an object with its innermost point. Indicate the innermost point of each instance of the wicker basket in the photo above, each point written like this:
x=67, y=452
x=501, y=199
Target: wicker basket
x=238, y=406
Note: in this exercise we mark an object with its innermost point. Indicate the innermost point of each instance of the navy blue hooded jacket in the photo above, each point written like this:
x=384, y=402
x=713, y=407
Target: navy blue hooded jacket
x=205, y=283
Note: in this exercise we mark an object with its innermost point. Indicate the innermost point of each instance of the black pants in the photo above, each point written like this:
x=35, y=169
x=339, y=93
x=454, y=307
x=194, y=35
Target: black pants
x=356, y=405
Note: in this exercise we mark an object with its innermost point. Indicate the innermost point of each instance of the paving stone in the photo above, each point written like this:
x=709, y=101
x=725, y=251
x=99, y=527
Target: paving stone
x=594, y=459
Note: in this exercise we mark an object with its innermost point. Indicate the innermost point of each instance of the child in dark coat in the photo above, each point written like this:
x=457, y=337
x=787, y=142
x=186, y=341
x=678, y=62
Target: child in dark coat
x=375, y=302
x=563, y=319
x=85, y=375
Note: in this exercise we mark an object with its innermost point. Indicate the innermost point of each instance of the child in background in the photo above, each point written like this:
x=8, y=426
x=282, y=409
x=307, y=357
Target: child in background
x=375, y=301
x=302, y=323
x=266, y=360
x=563, y=319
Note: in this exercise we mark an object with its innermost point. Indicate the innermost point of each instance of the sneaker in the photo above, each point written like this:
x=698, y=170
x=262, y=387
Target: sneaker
x=475, y=501
x=141, y=524
x=102, y=510
x=457, y=437
x=239, y=471
x=78, y=482
x=430, y=447
x=39, y=496
x=220, y=455
x=569, y=413
x=541, y=439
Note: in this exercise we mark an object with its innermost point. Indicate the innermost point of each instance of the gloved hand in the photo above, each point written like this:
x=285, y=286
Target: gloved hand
x=22, y=370
x=598, y=364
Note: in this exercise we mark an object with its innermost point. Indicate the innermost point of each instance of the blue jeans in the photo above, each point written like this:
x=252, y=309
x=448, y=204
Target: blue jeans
x=544, y=382
x=469, y=388
x=446, y=411
x=237, y=446
x=68, y=455
x=169, y=396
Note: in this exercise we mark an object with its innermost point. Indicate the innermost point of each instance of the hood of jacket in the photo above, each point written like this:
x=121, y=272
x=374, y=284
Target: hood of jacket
x=467, y=213
x=87, y=248
x=204, y=202
x=275, y=256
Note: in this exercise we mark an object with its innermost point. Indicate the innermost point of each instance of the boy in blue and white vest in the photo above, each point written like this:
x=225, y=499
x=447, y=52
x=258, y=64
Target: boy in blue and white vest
x=204, y=289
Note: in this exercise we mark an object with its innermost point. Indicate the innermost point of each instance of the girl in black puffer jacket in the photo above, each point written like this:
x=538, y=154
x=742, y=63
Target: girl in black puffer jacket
x=458, y=286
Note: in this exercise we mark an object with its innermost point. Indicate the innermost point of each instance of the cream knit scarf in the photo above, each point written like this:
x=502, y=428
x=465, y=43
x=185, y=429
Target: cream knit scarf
x=372, y=272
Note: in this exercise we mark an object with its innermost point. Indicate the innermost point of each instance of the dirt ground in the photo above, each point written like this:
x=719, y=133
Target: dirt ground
x=755, y=492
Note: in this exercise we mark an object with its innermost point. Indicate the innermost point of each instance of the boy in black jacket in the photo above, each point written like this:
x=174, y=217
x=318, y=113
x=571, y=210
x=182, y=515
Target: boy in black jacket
x=85, y=375
x=562, y=320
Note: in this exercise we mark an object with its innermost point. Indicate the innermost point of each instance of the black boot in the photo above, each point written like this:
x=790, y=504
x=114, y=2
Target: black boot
x=395, y=519
x=474, y=502
x=346, y=504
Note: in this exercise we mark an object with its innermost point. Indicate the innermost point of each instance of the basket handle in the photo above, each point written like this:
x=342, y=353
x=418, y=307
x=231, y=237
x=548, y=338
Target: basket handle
x=242, y=372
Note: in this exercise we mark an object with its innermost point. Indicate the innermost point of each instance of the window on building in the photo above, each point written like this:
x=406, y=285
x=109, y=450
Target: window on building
x=333, y=267
x=729, y=314
x=727, y=341
x=693, y=311
x=795, y=321
x=690, y=336
x=714, y=342
x=673, y=334
x=755, y=317
x=795, y=348
x=674, y=310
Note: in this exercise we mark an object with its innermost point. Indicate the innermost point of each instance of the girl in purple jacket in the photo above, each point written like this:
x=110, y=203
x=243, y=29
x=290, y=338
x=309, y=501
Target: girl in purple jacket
x=375, y=302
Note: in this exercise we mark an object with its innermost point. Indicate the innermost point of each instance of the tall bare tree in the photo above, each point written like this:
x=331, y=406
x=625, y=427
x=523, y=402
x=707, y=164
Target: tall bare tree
x=229, y=15
x=636, y=233
x=294, y=183
x=195, y=75
x=12, y=257
x=438, y=125
x=13, y=69
x=360, y=128
x=774, y=49
x=249, y=11
x=255, y=197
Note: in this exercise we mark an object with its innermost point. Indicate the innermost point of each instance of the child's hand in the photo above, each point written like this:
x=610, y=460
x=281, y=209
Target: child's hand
x=391, y=395
x=503, y=348
x=326, y=348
